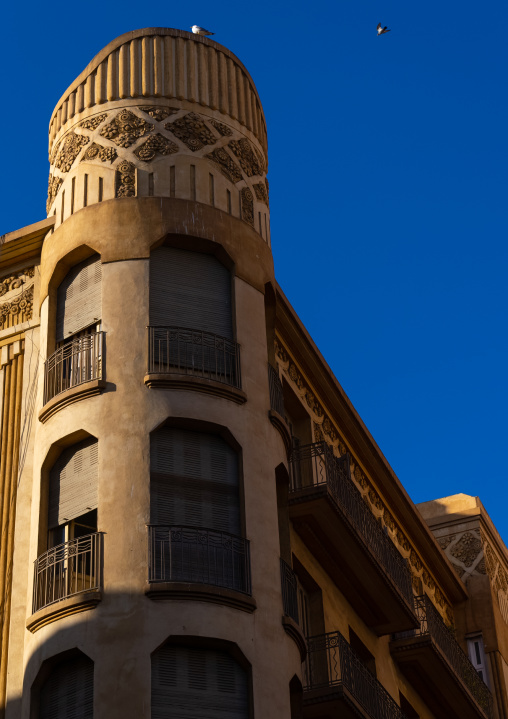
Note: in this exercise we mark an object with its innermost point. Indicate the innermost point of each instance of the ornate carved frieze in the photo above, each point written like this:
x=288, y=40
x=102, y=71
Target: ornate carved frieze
x=158, y=113
x=156, y=144
x=247, y=201
x=126, y=128
x=18, y=310
x=250, y=160
x=261, y=193
x=70, y=149
x=192, y=131
x=54, y=184
x=125, y=179
x=467, y=549
x=98, y=152
x=92, y=123
x=221, y=128
x=14, y=281
x=226, y=165
x=325, y=429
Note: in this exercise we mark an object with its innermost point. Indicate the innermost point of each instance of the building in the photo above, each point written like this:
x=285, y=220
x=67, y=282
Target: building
x=195, y=521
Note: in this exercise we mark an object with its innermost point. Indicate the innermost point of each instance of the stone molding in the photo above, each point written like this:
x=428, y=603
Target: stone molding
x=72, y=605
x=324, y=429
x=296, y=634
x=71, y=395
x=200, y=593
x=164, y=63
x=169, y=381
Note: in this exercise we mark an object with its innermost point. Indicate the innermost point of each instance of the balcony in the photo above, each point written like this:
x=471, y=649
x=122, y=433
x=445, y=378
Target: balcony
x=67, y=579
x=190, y=359
x=199, y=563
x=440, y=671
x=336, y=684
x=73, y=372
x=330, y=515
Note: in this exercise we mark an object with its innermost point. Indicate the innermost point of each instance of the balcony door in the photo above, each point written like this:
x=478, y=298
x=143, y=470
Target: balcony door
x=195, y=509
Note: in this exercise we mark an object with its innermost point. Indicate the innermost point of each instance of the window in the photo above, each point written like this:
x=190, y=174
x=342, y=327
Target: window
x=361, y=651
x=68, y=690
x=476, y=651
x=198, y=683
x=195, y=510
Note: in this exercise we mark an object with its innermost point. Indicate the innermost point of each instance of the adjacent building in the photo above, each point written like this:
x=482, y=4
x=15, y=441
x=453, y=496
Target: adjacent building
x=195, y=522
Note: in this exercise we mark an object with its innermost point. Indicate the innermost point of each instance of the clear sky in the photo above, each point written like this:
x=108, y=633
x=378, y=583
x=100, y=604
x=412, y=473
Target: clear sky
x=388, y=189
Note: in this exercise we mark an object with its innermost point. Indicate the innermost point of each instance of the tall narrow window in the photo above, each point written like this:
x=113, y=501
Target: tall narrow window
x=228, y=194
x=73, y=191
x=79, y=298
x=85, y=191
x=101, y=188
x=68, y=691
x=150, y=184
x=212, y=189
x=172, y=181
x=476, y=652
x=63, y=206
x=195, y=510
x=193, y=182
x=198, y=683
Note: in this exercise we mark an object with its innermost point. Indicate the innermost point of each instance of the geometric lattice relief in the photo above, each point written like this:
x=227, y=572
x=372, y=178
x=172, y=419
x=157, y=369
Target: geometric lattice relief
x=261, y=193
x=54, y=184
x=221, y=128
x=158, y=113
x=98, y=152
x=156, y=144
x=247, y=200
x=126, y=128
x=17, y=295
x=92, y=123
x=467, y=549
x=250, y=160
x=125, y=183
x=71, y=148
x=225, y=164
x=191, y=130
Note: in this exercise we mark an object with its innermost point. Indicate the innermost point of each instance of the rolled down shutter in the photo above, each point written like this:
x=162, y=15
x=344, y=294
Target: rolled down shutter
x=68, y=691
x=73, y=483
x=190, y=290
x=195, y=683
x=79, y=298
x=193, y=481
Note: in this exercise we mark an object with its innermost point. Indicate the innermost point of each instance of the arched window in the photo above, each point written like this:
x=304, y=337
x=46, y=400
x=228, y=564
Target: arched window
x=198, y=683
x=191, y=322
x=195, y=510
x=79, y=299
x=68, y=690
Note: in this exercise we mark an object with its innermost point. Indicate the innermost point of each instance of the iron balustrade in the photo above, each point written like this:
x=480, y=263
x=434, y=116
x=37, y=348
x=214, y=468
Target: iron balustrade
x=289, y=591
x=432, y=625
x=67, y=569
x=202, y=556
x=178, y=350
x=332, y=663
x=78, y=361
x=315, y=465
x=276, y=392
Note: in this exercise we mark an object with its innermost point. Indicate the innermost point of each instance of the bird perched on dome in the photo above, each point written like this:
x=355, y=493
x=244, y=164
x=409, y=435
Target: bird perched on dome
x=381, y=30
x=201, y=30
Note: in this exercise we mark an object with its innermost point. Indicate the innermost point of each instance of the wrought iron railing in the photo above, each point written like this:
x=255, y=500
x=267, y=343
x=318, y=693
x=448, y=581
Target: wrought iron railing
x=432, y=625
x=178, y=350
x=78, y=361
x=276, y=392
x=332, y=663
x=315, y=465
x=203, y=556
x=289, y=591
x=70, y=568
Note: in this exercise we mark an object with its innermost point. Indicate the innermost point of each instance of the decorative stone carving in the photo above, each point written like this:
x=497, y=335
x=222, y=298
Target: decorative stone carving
x=14, y=281
x=260, y=190
x=92, y=123
x=445, y=541
x=155, y=144
x=158, y=113
x=389, y=520
x=247, y=201
x=375, y=498
x=20, y=309
x=54, y=184
x=126, y=128
x=192, y=131
x=225, y=164
x=125, y=179
x=98, y=152
x=466, y=549
x=71, y=148
x=481, y=566
x=458, y=570
x=415, y=560
x=222, y=129
x=250, y=160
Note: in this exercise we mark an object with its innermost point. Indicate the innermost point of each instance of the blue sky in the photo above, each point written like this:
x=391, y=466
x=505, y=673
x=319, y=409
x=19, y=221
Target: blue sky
x=388, y=186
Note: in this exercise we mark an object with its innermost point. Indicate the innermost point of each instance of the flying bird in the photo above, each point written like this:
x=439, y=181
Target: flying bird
x=201, y=30
x=381, y=30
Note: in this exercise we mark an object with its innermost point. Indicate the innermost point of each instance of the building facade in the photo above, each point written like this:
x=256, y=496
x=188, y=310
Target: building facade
x=195, y=520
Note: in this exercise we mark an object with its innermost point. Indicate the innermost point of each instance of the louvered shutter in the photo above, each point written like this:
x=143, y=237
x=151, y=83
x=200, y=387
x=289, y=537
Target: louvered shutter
x=73, y=483
x=68, y=691
x=194, y=683
x=190, y=290
x=79, y=301
x=194, y=481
